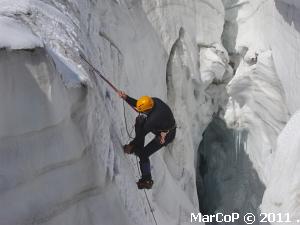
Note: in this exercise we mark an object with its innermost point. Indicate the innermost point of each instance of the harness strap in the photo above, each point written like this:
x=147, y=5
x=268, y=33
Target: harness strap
x=168, y=130
x=164, y=133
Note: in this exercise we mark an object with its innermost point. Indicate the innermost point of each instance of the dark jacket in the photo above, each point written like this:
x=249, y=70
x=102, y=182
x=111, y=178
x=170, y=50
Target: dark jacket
x=159, y=119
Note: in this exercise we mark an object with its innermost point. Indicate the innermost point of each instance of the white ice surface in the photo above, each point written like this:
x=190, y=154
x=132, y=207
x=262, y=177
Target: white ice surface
x=73, y=75
x=16, y=35
x=258, y=106
x=264, y=91
x=63, y=127
x=283, y=186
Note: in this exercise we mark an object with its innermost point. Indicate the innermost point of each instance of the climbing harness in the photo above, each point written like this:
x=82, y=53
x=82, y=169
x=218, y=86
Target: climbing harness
x=164, y=133
x=168, y=130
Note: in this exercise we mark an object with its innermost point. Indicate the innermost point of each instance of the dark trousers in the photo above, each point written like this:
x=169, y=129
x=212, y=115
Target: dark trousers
x=154, y=145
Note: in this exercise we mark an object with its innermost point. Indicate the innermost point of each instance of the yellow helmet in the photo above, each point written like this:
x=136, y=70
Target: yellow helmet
x=144, y=103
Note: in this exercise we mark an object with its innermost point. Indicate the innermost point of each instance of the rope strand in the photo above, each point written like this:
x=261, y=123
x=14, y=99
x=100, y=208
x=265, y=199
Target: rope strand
x=151, y=210
x=137, y=164
x=98, y=72
x=128, y=133
x=101, y=76
x=125, y=119
x=150, y=207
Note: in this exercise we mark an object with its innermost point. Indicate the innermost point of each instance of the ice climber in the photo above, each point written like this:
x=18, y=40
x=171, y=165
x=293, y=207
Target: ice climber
x=154, y=116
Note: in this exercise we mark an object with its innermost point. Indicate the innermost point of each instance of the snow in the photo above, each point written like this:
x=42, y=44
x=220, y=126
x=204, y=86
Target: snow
x=15, y=35
x=214, y=63
x=9, y=7
x=73, y=75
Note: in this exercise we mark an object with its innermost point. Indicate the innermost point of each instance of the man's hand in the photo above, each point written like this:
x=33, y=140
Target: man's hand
x=122, y=94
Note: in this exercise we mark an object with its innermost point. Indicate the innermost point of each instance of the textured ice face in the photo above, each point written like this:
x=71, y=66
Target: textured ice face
x=62, y=144
x=263, y=93
x=64, y=127
x=283, y=183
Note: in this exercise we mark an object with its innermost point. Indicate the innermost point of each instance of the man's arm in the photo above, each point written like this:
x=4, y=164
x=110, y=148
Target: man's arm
x=131, y=101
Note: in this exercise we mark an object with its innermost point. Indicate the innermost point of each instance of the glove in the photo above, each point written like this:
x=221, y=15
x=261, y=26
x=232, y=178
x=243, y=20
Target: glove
x=122, y=94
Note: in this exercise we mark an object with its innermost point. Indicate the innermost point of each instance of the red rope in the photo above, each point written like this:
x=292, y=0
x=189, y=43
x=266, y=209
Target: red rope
x=98, y=72
x=102, y=77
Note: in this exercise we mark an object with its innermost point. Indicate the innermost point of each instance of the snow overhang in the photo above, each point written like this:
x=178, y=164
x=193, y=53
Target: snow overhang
x=15, y=35
x=73, y=74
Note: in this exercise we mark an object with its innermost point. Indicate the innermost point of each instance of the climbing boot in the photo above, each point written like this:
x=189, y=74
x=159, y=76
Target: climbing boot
x=128, y=149
x=144, y=184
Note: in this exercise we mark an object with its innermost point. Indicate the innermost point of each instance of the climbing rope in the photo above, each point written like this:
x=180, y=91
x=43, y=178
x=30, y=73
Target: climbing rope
x=137, y=163
x=98, y=72
x=125, y=119
x=101, y=76
x=126, y=126
x=151, y=210
x=150, y=207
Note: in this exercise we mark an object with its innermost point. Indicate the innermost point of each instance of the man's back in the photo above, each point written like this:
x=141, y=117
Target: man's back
x=160, y=118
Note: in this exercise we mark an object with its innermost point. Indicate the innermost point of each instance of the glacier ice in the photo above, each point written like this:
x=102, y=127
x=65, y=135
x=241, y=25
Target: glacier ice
x=62, y=128
x=283, y=185
x=263, y=89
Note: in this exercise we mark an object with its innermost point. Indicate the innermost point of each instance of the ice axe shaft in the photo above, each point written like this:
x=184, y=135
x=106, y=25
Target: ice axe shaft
x=102, y=77
x=99, y=73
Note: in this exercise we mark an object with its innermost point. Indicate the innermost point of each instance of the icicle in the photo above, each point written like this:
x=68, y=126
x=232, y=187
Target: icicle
x=240, y=137
x=236, y=143
x=245, y=144
x=237, y=132
x=234, y=113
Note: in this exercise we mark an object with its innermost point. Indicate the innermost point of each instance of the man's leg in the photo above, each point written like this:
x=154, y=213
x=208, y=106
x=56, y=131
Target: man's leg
x=139, y=140
x=146, y=179
x=149, y=149
x=144, y=155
